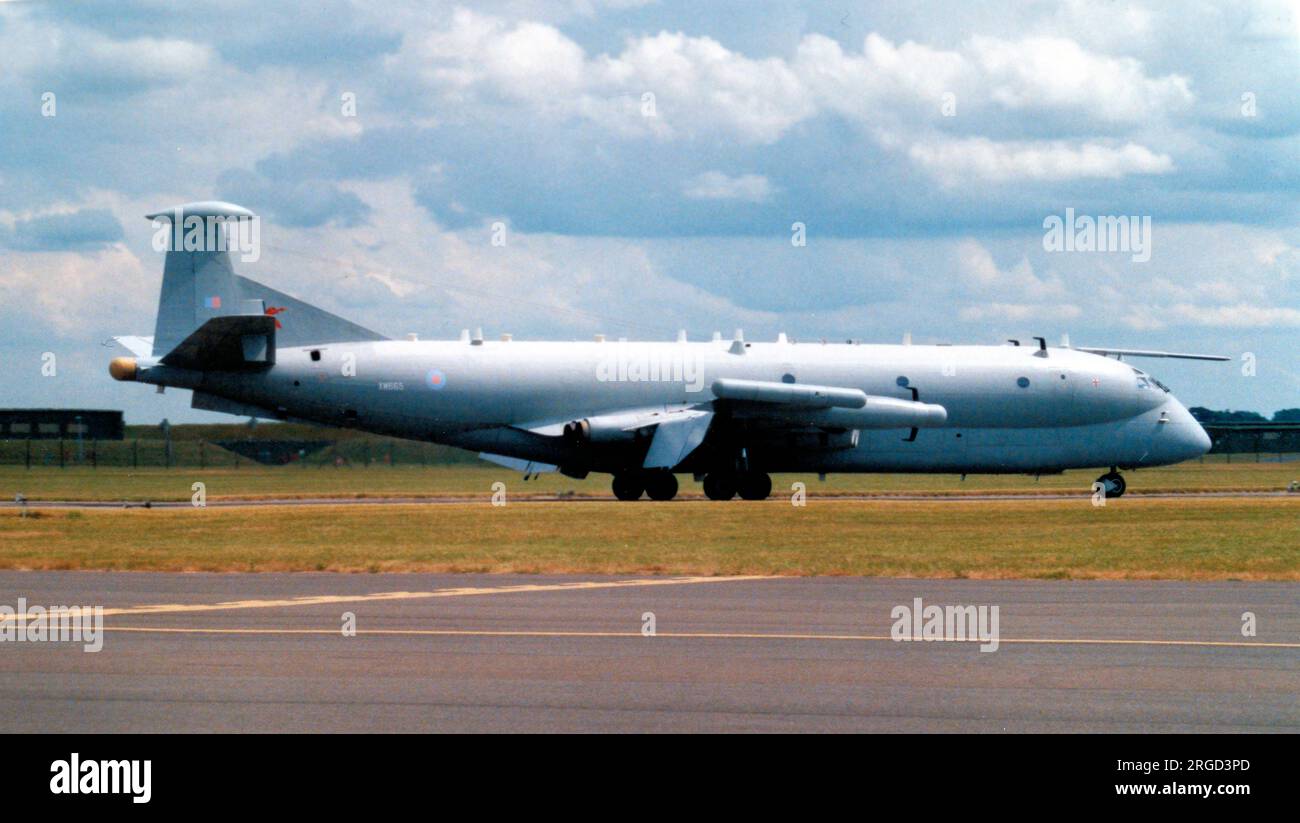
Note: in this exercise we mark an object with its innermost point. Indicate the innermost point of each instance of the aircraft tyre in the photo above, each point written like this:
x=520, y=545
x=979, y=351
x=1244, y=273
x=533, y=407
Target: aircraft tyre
x=661, y=485
x=719, y=485
x=1113, y=484
x=755, y=485
x=628, y=486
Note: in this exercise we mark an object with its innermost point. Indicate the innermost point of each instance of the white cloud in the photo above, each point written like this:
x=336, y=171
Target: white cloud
x=64, y=293
x=702, y=87
x=72, y=57
x=954, y=162
x=1019, y=311
x=978, y=265
x=1240, y=315
x=537, y=285
x=396, y=285
x=864, y=86
x=699, y=82
x=714, y=185
x=527, y=62
x=1056, y=72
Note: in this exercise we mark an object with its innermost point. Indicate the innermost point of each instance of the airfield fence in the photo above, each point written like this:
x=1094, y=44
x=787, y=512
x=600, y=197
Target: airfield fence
x=303, y=445
x=202, y=453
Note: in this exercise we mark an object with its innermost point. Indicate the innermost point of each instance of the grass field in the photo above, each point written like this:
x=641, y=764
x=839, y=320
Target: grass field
x=82, y=483
x=1205, y=538
x=1195, y=538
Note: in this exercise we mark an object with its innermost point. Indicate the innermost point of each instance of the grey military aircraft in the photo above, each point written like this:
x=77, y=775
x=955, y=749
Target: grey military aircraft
x=728, y=411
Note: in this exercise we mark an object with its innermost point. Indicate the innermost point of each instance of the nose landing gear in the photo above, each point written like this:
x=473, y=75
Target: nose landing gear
x=1112, y=483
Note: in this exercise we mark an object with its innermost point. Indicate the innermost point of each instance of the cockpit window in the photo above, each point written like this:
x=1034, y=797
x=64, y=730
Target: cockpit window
x=1146, y=381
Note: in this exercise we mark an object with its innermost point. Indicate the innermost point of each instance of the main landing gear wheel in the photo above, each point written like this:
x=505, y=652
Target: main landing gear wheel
x=719, y=486
x=629, y=486
x=754, y=486
x=1112, y=484
x=661, y=485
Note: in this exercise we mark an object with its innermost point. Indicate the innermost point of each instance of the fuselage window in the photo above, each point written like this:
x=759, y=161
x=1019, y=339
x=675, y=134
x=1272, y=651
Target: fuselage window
x=1022, y=382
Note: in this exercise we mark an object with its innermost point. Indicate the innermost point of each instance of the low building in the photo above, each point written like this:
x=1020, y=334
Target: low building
x=61, y=424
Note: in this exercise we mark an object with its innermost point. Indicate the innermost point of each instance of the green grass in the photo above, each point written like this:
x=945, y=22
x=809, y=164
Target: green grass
x=83, y=483
x=1207, y=538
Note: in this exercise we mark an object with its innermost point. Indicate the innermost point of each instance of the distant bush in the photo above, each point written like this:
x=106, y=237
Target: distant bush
x=195, y=445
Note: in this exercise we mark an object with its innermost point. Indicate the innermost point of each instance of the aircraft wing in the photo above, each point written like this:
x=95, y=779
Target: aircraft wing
x=670, y=434
x=1121, y=353
x=527, y=467
x=676, y=437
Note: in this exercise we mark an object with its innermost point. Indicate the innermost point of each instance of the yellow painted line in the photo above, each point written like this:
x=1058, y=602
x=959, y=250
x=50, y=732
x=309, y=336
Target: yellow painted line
x=692, y=636
x=317, y=600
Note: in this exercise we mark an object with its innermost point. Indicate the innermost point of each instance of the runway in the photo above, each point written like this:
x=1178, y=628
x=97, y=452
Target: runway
x=265, y=652
x=544, y=499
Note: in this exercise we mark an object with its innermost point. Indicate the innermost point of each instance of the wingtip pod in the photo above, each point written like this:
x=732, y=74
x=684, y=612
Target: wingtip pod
x=802, y=394
x=203, y=208
x=122, y=368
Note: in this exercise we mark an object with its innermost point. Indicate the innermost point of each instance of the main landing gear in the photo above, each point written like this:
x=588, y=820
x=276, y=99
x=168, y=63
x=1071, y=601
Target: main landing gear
x=720, y=485
x=1112, y=483
x=657, y=485
x=750, y=485
x=661, y=485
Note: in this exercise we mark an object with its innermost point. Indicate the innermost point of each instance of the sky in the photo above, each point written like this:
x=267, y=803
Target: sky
x=650, y=166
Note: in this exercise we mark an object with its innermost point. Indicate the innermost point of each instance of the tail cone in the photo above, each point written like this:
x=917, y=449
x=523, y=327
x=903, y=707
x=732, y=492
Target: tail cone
x=122, y=368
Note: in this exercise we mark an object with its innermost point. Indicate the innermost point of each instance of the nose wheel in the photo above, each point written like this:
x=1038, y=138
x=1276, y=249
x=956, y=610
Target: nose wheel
x=1112, y=484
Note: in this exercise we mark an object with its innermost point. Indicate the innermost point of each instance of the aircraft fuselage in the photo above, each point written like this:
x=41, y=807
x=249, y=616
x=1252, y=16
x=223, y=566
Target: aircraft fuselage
x=1009, y=408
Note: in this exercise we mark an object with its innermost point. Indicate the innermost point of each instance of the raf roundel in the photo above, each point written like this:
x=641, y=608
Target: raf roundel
x=435, y=380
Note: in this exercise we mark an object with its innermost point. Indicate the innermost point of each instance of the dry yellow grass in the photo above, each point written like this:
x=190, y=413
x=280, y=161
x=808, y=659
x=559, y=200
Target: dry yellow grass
x=1205, y=538
x=252, y=482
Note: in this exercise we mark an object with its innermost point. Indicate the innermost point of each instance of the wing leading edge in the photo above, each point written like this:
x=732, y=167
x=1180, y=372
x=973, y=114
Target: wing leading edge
x=1149, y=353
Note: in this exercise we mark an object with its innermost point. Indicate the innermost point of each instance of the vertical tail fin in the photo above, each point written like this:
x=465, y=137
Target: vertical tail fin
x=199, y=281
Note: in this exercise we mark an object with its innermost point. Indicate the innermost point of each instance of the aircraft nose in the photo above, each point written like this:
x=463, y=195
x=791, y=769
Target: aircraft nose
x=1200, y=438
x=1190, y=440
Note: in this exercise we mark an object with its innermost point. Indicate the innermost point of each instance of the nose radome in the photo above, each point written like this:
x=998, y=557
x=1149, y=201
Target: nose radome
x=1200, y=437
x=1191, y=437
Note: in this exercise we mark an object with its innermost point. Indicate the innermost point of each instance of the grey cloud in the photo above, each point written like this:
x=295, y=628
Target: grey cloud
x=293, y=203
x=84, y=230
